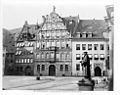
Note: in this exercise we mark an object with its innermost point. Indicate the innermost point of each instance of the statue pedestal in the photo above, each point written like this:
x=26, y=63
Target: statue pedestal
x=86, y=85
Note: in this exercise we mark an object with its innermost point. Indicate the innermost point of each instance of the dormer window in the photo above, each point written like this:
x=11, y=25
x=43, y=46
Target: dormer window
x=90, y=35
x=84, y=35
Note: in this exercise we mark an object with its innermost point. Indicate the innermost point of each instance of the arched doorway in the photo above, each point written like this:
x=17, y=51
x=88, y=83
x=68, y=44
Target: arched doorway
x=97, y=71
x=28, y=70
x=52, y=70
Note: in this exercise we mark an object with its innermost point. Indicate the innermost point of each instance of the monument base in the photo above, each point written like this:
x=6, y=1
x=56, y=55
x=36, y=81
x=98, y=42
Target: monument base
x=86, y=84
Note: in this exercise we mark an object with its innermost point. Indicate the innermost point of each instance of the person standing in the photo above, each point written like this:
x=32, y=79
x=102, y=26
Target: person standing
x=86, y=65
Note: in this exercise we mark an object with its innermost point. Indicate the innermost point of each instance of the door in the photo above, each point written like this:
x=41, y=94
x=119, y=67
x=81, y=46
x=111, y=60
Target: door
x=28, y=70
x=97, y=71
x=52, y=70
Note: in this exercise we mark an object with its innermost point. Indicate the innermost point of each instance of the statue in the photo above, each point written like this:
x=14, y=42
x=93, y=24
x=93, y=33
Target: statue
x=86, y=64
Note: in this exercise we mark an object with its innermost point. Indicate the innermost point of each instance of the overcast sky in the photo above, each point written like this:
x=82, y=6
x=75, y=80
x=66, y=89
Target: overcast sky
x=15, y=12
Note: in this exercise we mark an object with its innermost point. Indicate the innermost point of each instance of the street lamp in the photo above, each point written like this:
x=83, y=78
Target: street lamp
x=38, y=72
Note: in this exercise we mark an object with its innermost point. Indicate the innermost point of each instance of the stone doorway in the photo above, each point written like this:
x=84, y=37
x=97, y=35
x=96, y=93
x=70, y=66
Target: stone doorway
x=97, y=71
x=52, y=70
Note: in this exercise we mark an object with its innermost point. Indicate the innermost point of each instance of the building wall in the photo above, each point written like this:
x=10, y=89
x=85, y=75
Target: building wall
x=53, y=34
x=94, y=63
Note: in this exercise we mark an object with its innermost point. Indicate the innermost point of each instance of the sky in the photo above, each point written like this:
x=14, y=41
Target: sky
x=16, y=12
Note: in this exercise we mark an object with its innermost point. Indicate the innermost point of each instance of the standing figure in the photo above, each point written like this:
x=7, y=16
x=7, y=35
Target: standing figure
x=86, y=64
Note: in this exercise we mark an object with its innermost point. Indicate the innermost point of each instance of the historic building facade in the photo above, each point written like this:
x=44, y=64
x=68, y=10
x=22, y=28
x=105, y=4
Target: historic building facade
x=53, y=47
x=56, y=46
x=90, y=39
x=96, y=48
x=25, y=43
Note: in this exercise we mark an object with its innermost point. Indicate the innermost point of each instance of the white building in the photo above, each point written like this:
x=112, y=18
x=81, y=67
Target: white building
x=96, y=46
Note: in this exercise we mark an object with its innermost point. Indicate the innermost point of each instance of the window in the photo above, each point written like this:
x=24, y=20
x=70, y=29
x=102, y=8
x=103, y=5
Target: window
x=47, y=55
x=38, y=56
x=83, y=46
x=77, y=56
x=77, y=67
x=43, y=45
x=102, y=56
x=82, y=56
x=108, y=48
x=57, y=34
x=68, y=44
x=25, y=60
x=62, y=56
x=63, y=44
x=31, y=60
x=38, y=67
x=22, y=60
x=43, y=67
x=61, y=67
x=48, y=34
x=89, y=46
x=58, y=44
x=48, y=44
x=90, y=56
x=66, y=67
x=42, y=36
x=95, y=46
x=80, y=35
x=52, y=55
x=67, y=56
x=38, y=45
x=96, y=56
x=57, y=55
x=53, y=43
x=16, y=60
x=101, y=46
x=77, y=46
x=28, y=60
x=42, y=55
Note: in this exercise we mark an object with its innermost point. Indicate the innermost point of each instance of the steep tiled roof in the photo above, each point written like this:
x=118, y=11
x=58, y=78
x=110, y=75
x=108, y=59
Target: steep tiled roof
x=71, y=23
x=97, y=27
x=18, y=31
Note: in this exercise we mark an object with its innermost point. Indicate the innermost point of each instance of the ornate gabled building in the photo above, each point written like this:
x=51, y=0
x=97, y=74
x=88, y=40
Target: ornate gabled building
x=25, y=44
x=53, y=46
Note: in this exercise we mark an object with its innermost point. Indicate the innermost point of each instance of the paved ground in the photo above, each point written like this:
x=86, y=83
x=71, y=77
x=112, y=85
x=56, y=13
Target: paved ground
x=46, y=83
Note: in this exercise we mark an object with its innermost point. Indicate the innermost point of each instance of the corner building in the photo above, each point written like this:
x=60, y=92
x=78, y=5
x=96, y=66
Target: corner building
x=89, y=38
x=53, y=47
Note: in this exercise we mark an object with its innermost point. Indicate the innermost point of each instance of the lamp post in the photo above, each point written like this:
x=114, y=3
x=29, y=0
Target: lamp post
x=38, y=72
